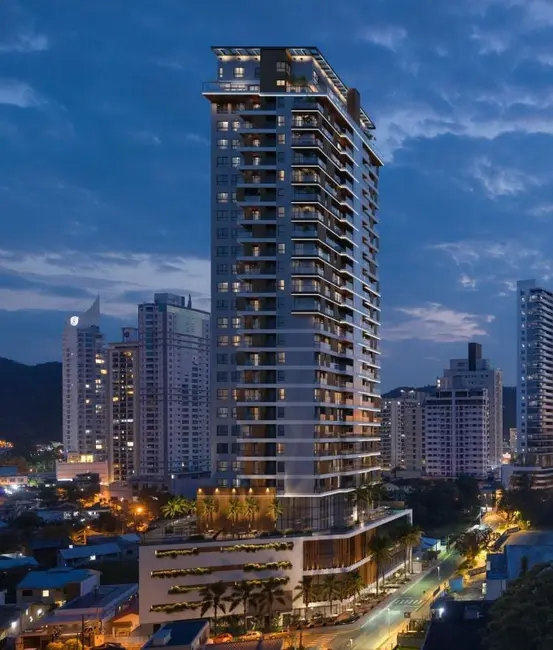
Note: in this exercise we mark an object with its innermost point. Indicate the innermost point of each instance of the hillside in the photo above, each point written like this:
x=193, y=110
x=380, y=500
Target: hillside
x=30, y=402
x=509, y=403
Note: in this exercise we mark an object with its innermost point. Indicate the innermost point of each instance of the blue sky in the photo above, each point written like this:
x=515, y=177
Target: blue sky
x=104, y=160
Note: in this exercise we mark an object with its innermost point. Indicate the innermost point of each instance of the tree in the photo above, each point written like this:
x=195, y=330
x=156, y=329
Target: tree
x=242, y=594
x=330, y=590
x=379, y=548
x=305, y=591
x=174, y=508
x=355, y=583
x=213, y=599
x=73, y=644
x=107, y=522
x=521, y=618
x=235, y=510
x=269, y=596
x=55, y=645
x=208, y=508
x=408, y=536
x=275, y=509
x=251, y=508
x=469, y=544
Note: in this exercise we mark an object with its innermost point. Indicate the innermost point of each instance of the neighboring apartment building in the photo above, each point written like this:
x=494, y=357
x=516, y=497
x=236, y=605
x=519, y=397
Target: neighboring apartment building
x=476, y=372
x=402, y=431
x=84, y=384
x=173, y=343
x=535, y=382
x=123, y=400
x=457, y=433
x=295, y=323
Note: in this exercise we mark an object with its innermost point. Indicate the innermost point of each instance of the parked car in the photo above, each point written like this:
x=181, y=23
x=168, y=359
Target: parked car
x=224, y=637
x=252, y=635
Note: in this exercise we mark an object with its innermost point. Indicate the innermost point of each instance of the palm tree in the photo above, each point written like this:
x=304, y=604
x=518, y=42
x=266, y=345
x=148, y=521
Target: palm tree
x=343, y=589
x=188, y=506
x=408, y=536
x=208, y=509
x=251, y=508
x=355, y=583
x=306, y=591
x=275, y=509
x=234, y=511
x=362, y=498
x=242, y=594
x=379, y=548
x=174, y=508
x=378, y=493
x=269, y=596
x=213, y=599
x=329, y=589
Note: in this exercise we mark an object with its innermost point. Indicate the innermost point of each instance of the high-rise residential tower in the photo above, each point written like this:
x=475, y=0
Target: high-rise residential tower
x=123, y=406
x=84, y=384
x=173, y=341
x=295, y=287
x=402, y=431
x=535, y=382
x=476, y=372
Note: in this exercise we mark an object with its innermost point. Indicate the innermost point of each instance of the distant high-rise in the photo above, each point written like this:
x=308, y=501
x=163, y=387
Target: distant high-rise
x=476, y=372
x=173, y=343
x=402, y=431
x=535, y=376
x=123, y=406
x=84, y=384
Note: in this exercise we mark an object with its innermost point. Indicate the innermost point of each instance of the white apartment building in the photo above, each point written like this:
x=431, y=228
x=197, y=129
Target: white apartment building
x=173, y=344
x=457, y=433
x=84, y=384
x=476, y=372
x=402, y=431
x=123, y=406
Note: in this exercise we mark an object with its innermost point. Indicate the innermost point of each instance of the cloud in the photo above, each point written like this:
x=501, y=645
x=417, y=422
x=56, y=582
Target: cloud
x=25, y=43
x=196, y=138
x=502, y=181
x=20, y=94
x=467, y=282
x=541, y=210
x=436, y=323
x=144, y=137
x=119, y=278
x=390, y=37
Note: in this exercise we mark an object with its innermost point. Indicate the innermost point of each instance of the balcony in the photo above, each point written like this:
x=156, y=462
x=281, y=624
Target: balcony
x=230, y=87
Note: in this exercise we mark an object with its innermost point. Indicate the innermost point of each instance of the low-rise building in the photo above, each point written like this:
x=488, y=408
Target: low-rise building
x=173, y=570
x=180, y=635
x=55, y=586
x=81, y=555
x=521, y=552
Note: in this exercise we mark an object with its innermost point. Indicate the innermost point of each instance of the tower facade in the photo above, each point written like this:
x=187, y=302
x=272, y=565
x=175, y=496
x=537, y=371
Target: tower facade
x=84, y=384
x=123, y=406
x=295, y=285
x=173, y=355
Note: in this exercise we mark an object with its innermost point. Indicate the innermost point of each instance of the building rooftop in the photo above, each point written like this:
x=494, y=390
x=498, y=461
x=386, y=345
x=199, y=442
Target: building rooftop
x=306, y=51
x=54, y=578
x=78, y=552
x=461, y=626
x=177, y=633
x=16, y=562
x=530, y=538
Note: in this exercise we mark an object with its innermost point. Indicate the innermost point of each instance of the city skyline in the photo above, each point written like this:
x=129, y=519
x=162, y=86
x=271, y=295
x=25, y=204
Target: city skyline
x=458, y=96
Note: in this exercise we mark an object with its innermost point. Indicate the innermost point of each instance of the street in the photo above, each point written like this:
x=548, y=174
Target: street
x=374, y=630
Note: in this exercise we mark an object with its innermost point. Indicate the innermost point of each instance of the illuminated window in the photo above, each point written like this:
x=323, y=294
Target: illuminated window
x=239, y=73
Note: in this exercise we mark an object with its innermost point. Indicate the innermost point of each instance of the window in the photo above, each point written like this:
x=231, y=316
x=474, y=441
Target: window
x=222, y=108
x=234, y=179
x=281, y=138
x=222, y=430
x=222, y=197
x=234, y=216
x=281, y=393
x=222, y=233
x=236, y=340
x=281, y=174
x=222, y=161
x=239, y=73
x=222, y=358
x=222, y=215
x=222, y=412
x=281, y=212
x=257, y=73
x=221, y=179
x=256, y=160
x=236, y=322
x=236, y=125
x=282, y=66
x=281, y=82
x=281, y=248
x=221, y=251
x=236, y=160
x=235, y=287
x=222, y=144
x=222, y=341
x=222, y=304
x=222, y=322
x=281, y=120
x=222, y=375
x=222, y=393
x=280, y=285
x=236, y=144
x=222, y=465
x=221, y=73
x=281, y=357
x=45, y=593
x=222, y=125
x=222, y=447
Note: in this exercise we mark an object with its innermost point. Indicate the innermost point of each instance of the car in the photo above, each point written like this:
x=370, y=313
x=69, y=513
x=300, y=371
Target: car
x=252, y=635
x=110, y=646
x=224, y=637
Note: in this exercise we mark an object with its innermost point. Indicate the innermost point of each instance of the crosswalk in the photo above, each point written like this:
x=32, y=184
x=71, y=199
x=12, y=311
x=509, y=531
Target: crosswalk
x=405, y=603
x=322, y=640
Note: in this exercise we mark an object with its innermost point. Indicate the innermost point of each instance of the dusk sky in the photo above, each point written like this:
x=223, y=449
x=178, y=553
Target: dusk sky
x=104, y=170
